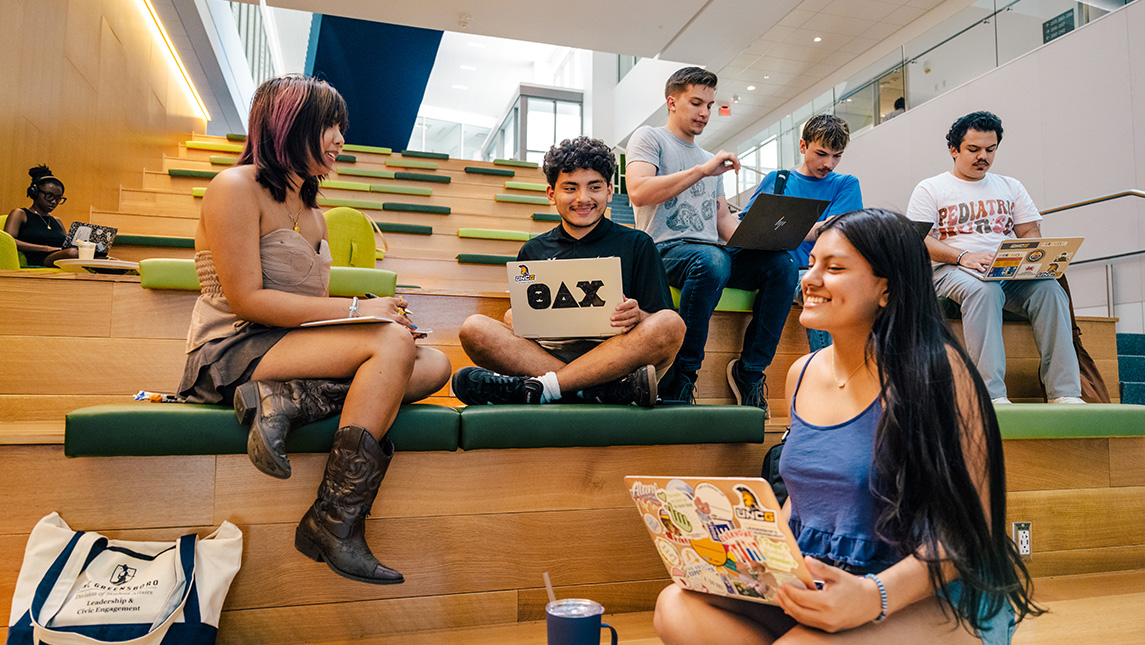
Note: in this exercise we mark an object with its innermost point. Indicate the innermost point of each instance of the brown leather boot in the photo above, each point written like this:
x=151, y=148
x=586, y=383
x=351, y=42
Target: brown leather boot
x=274, y=408
x=334, y=529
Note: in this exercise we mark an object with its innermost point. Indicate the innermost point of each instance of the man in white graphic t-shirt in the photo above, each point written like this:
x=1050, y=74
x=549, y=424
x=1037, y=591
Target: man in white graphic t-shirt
x=973, y=211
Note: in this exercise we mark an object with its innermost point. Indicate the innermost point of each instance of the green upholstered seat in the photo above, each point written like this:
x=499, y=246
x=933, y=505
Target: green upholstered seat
x=366, y=172
x=197, y=174
x=420, y=176
x=563, y=425
x=214, y=146
x=360, y=204
x=514, y=162
x=166, y=241
x=499, y=172
x=168, y=273
x=346, y=185
x=1058, y=421
x=409, y=229
x=546, y=217
x=521, y=199
x=351, y=238
x=146, y=429
x=236, y=137
x=223, y=160
x=730, y=300
x=354, y=147
x=401, y=190
x=411, y=163
x=179, y=273
x=425, y=155
x=483, y=258
x=416, y=208
x=9, y=255
x=525, y=185
x=346, y=158
x=494, y=234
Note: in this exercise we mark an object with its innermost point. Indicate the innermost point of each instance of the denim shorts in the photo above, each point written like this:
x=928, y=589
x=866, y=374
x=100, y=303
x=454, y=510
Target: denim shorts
x=997, y=630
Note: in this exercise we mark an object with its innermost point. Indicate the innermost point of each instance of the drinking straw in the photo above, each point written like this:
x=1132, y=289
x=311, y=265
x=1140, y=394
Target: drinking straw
x=549, y=587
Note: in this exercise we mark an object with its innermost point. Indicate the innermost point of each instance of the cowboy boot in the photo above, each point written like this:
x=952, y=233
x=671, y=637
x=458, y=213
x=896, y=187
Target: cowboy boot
x=334, y=529
x=274, y=408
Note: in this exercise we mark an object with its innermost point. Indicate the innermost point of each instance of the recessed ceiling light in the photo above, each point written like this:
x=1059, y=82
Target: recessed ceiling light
x=469, y=68
x=766, y=77
x=848, y=100
x=460, y=87
x=818, y=39
x=751, y=88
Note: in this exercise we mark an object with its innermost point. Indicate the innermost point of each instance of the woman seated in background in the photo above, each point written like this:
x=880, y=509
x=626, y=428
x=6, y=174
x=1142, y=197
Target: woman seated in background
x=40, y=235
x=263, y=262
x=893, y=466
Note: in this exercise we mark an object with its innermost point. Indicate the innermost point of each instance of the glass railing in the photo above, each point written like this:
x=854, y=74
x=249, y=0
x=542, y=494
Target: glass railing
x=984, y=35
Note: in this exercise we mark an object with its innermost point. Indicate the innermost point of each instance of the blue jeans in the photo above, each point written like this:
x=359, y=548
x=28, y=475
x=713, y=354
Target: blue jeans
x=701, y=271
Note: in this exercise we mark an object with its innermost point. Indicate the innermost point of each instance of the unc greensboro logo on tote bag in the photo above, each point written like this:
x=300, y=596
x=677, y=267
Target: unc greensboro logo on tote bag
x=122, y=574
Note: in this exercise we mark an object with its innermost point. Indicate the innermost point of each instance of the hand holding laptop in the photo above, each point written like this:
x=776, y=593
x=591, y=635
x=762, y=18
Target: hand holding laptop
x=977, y=261
x=628, y=313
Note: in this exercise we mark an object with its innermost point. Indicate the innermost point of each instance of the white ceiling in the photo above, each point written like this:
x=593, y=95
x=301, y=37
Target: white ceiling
x=769, y=44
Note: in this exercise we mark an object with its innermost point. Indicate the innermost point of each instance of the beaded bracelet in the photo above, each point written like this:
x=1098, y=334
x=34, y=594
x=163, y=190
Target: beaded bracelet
x=882, y=598
x=959, y=260
x=354, y=313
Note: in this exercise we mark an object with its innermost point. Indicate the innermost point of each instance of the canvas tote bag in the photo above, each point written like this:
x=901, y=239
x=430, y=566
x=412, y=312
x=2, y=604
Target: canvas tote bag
x=81, y=588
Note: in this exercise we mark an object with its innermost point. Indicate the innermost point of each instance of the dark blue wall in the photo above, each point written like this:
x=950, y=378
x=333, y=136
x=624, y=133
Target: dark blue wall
x=380, y=69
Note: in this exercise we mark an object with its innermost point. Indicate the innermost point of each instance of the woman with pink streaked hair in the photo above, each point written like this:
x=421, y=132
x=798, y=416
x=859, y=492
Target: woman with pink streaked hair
x=263, y=262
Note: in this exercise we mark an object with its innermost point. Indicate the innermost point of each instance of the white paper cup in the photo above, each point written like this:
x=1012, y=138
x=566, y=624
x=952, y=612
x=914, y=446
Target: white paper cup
x=86, y=250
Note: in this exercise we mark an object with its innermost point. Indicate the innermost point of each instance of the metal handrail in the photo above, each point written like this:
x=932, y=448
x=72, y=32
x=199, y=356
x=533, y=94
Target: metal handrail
x=1095, y=200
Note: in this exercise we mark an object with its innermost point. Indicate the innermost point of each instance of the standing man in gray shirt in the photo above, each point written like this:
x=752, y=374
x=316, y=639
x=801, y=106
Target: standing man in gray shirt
x=678, y=195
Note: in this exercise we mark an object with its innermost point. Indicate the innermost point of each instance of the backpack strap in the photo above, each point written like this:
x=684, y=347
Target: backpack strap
x=781, y=181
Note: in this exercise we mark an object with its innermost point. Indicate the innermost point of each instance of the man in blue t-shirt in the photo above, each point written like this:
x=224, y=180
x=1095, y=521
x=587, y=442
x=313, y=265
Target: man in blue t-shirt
x=824, y=138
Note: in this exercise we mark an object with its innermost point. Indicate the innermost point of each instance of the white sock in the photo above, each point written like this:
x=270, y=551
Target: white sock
x=552, y=389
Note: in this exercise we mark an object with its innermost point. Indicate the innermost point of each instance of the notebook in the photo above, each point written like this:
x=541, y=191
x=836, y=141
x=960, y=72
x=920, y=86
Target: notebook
x=720, y=535
x=777, y=222
x=1030, y=258
x=103, y=236
x=565, y=298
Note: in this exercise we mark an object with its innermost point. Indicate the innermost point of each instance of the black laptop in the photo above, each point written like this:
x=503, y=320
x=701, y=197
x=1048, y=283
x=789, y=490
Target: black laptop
x=777, y=222
x=102, y=236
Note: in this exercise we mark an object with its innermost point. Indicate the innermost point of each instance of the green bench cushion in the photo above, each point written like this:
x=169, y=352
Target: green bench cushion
x=367, y=172
x=236, y=137
x=345, y=185
x=401, y=190
x=418, y=176
x=546, y=217
x=377, y=150
x=416, y=208
x=168, y=273
x=198, y=174
x=411, y=229
x=198, y=192
x=223, y=160
x=167, y=241
x=346, y=158
x=179, y=273
x=146, y=429
x=1057, y=421
x=730, y=299
x=499, y=172
x=213, y=146
x=525, y=185
x=425, y=155
x=359, y=204
x=564, y=425
x=514, y=162
x=411, y=163
x=522, y=199
x=482, y=258
x=494, y=234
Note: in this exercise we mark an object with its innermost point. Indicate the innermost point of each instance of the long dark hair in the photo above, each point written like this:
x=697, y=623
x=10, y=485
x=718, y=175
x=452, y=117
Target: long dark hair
x=928, y=504
x=288, y=115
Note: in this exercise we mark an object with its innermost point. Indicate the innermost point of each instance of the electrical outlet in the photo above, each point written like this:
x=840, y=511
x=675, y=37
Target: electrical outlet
x=1020, y=531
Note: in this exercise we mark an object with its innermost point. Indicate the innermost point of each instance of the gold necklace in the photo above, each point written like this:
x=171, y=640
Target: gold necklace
x=835, y=372
x=47, y=220
x=294, y=218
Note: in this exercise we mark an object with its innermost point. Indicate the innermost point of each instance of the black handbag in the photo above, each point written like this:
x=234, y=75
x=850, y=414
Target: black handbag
x=771, y=468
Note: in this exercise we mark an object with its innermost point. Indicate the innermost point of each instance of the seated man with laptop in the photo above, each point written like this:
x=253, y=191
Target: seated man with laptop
x=973, y=212
x=641, y=332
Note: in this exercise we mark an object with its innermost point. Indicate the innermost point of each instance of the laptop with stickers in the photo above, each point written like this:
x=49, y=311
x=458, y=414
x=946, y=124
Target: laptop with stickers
x=565, y=298
x=102, y=236
x=720, y=535
x=1030, y=258
x=777, y=222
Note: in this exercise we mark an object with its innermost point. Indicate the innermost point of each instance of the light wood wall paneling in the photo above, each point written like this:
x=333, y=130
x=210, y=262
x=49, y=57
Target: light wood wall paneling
x=147, y=313
x=1079, y=561
x=444, y=314
x=158, y=202
x=353, y=621
x=479, y=481
x=95, y=365
x=137, y=253
x=1081, y=518
x=55, y=307
x=20, y=410
x=1127, y=461
x=443, y=245
x=147, y=224
x=1091, y=585
x=1035, y=464
x=617, y=598
x=449, y=224
x=1112, y=620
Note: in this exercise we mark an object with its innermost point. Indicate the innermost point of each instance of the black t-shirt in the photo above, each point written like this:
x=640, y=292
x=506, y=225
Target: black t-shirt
x=641, y=271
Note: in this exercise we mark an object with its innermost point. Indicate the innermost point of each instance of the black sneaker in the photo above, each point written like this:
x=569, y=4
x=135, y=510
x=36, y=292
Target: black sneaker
x=477, y=385
x=639, y=387
x=679, y=388
x=748, y=388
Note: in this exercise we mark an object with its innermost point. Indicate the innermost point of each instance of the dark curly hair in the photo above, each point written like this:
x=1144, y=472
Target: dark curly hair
x=577, y=154
x=685, y=76
x=42, y=174
x=980, y=121
x=828, y=130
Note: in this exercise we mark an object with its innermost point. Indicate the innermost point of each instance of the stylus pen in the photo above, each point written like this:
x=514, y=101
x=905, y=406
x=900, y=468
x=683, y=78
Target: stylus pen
x=403, y=310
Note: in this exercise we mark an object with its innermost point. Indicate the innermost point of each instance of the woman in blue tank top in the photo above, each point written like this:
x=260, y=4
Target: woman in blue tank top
x=893, y=466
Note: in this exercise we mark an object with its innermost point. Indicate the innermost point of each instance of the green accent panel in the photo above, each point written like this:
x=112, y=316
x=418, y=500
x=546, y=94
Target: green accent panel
x=155, y=240
x=493, y=234
x=411, y=229
x=1059, y=421
x=401, y=190
x=409, y=163
x=416, y=208
x=168, y=273
x=730, y=300
x=223, y=160
x=346, y=185
x=236, y=137
x=546, y=217
x=417, y=176
x=514, y=162
x=951, y=310
x=198, y=174
x=474, y=170
x=524, y=185
x=425, y=155
x=352, y=203
x=564, y=425
x=346, y=158
x=358, y=281
x=147, y=429
x=353, y=147
x=522, y=199
x=213, y=147
x=367, y=172
x=479, y=258
x=408, y=286
x=198, y=192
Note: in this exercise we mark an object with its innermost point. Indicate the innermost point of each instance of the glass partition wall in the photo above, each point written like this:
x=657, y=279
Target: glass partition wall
x=537, y=118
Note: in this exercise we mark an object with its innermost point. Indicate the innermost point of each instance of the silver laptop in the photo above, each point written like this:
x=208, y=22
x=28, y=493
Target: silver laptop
x=565, y=298
x=777, y=222
x=1030, y=258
